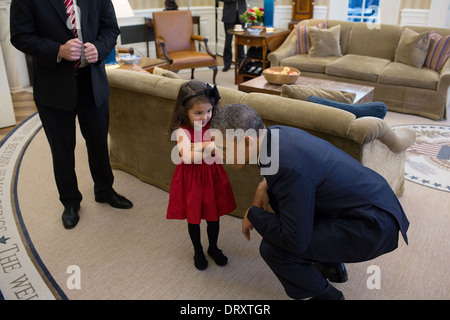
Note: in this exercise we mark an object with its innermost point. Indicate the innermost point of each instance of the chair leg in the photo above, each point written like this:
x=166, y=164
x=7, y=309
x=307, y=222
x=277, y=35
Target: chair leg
x=192, y=73
x=214, y=73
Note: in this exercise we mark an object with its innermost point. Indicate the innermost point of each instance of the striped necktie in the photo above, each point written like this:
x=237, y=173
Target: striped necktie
x=70, y=8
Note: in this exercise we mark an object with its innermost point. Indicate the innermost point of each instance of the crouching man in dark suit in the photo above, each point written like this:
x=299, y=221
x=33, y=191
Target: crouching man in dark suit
x=328, y=208
x=69, y=40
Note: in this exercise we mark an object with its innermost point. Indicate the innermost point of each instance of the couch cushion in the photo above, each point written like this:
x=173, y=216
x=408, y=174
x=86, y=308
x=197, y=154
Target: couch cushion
x=304, y=62
x=403, y=75
x=371, y=109
x=346, y=28
x=412, y=48
x=165, y=73
x=303, y=39
x=379, y=43
x=325, y=43
x=438, y=52
x=303, y=92
x=357, y=67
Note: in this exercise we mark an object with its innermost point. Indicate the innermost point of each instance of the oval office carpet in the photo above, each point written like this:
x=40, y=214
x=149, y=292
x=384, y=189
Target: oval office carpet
x=138, y=254
x=428, y=159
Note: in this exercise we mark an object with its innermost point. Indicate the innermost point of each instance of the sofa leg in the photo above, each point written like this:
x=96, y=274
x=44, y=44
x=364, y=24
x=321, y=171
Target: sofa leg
x=192, y=73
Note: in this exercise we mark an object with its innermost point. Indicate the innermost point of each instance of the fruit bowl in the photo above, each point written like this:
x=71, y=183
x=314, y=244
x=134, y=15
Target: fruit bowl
x=281, y=75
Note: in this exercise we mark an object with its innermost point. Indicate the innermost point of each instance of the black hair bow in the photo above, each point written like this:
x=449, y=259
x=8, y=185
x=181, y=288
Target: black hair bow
x=212, y=92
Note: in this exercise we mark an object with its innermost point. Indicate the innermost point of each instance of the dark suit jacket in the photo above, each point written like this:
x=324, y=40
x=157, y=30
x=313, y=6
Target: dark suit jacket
x=39, y=27
x=229, y=10
x=317, y=184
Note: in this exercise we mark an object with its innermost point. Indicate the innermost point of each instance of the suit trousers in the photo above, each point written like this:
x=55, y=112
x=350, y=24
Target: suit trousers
x=298, y=276
x=334, y=241
x=227, y=50
x=60, y=129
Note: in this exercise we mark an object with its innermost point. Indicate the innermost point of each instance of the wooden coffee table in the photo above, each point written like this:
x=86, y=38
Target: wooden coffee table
x=363, y=93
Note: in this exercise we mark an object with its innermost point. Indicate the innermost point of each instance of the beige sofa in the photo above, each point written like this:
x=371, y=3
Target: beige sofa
x=369, y=58
x=140, y=108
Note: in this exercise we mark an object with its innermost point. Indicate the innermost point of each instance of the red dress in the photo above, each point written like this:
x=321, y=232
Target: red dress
x=200, y=191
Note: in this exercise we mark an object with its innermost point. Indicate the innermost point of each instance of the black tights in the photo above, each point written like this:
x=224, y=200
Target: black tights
x=212, y=230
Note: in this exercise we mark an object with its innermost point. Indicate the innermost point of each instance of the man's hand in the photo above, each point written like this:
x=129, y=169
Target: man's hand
x=90, y=52
x=261, y=199
x=246, y=226
x=71, y=50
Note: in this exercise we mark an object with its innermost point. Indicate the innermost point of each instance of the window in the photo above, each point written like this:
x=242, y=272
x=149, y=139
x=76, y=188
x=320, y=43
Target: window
x=363, y=10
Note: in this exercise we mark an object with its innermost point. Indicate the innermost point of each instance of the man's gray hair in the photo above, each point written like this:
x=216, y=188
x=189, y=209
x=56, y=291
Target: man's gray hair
x=237, y=116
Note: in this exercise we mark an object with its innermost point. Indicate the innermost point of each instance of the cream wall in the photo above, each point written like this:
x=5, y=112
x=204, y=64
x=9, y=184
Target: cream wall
x=149, y=4
x=410, y=12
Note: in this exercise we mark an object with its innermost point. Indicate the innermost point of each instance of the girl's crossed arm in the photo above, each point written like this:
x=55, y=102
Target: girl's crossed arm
x=192, y=152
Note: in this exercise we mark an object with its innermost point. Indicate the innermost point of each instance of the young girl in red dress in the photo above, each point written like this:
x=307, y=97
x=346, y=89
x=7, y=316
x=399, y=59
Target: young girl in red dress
x=200, y=188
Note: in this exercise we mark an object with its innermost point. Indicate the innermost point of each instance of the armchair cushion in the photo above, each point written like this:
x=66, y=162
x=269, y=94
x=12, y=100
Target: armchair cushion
x=371, y=109
x=191, y=59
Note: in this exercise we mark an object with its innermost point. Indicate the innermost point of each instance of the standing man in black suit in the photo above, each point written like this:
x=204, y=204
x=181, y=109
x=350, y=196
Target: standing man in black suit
x=69, y=40
x=232, y=9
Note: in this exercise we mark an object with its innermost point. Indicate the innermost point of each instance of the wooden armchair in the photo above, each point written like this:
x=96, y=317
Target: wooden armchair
x=175, y=42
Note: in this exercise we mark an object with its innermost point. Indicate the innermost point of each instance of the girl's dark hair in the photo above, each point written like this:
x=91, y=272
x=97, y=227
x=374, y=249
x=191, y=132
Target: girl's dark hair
x=190, y=93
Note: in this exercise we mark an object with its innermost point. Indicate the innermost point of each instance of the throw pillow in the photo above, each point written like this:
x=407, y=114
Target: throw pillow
x=303, y=41
x=412, y=48
x=439, y=51
x=302, y=93
x=325, y=43
x=165, y=73
x=371, y=109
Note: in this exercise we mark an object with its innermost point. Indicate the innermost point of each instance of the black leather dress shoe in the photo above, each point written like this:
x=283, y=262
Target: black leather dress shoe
x=70, y=217
x=226, y=68
x=334, y=273
x=115, y=201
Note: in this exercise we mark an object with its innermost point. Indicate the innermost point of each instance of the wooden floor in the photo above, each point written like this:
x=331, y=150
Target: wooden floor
x=24, y=107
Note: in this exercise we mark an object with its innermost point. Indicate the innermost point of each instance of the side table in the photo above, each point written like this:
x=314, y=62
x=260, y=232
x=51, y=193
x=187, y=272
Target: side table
x=263, y=39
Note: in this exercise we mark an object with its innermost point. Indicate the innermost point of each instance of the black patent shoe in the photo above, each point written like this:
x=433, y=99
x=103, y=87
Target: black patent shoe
x=200, y=261
x=334, y=273
x=70, y=217
x=219, y=258
x=115, y=200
